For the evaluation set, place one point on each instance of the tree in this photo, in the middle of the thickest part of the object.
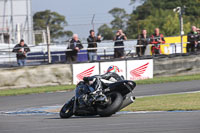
(120, 18)
(155, 14)
(106, 32)
(57, 24)
(159, 13)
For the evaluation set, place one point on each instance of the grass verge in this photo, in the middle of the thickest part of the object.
(157, 80)
(171, 102)
(23, 91)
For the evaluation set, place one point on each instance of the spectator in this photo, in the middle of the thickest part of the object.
(75, 46)
(92, 43)
(21, 49)
(157, 38)
(192, 39)
(198, 46)
(120, 36)
(143, 39)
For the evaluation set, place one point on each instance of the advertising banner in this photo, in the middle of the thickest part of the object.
(120, 64)
(139, 69)
(84, 70)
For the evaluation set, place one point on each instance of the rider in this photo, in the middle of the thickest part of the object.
(111, 75)
(95, 84)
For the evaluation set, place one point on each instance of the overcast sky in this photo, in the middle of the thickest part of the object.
(79, 13)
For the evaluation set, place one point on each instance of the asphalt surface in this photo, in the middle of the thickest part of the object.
(170, 122)
(59, 98)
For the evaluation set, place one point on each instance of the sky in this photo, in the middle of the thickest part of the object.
(79, 13)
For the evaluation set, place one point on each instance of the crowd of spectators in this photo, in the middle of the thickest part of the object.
(75, 45)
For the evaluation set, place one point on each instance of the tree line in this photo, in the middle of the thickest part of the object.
(150, 15)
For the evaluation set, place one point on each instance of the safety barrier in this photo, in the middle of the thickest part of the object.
(133, 69)
(35, 76)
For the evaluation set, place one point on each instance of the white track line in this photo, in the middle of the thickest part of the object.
(189, 92)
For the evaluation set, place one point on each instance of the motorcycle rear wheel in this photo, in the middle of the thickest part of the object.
(116, 102)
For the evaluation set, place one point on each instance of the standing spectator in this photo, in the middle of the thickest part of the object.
(75, 46)
(157, 38)
(92, 43)
(21, 49)
(119, 38)
(143, 40)
(198, 46)
(192, 39)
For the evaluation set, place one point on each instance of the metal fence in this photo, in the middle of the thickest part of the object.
(105, 51)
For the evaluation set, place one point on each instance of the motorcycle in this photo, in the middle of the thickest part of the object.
(105, 102)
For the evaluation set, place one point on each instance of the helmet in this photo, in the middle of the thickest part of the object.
(113, 69)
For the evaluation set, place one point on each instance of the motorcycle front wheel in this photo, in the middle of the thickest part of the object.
(67, 110)
(114, 105)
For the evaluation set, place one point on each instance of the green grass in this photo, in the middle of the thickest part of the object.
(171, 102)
(157, 80)
(24, 91)
(189, 101)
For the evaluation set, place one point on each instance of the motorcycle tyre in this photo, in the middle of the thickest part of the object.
(68, 106)
(113, 108)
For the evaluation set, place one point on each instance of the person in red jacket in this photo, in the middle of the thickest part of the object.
(156, 39)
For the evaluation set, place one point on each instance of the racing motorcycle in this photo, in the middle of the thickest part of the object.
(113, 97)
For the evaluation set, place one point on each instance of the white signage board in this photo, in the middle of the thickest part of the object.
(120, 64)
(139, 69)
(84, 70)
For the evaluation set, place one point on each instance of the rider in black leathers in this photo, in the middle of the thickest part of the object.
(111, 75)
(96, 85)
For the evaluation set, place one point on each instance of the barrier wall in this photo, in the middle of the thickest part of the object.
(61, 74)
(36, 76)
(182, 65)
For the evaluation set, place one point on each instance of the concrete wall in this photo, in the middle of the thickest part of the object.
(61, 74)
(183, 65)
(35, 76)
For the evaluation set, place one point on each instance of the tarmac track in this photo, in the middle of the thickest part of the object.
(170, 122)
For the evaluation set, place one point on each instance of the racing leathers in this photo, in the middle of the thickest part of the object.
(95, 86)
(96, 81)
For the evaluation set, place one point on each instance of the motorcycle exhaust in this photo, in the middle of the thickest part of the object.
(128, 100)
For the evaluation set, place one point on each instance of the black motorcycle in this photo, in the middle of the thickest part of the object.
(105, 102)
